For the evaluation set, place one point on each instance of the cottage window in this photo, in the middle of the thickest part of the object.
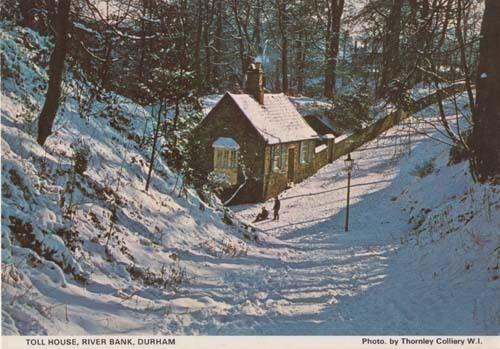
(283, 156)
(305, 152)
(226, 157)
(278, 157)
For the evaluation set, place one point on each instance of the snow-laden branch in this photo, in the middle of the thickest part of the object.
(237, 190)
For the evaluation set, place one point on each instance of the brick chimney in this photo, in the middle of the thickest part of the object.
(255, 82)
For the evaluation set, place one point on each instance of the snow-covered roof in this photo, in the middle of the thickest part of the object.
(342, 137)
(320, 148)
(328, 136)
(224, 142)
(276, 120)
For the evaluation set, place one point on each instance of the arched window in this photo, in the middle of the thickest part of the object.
(226, 158)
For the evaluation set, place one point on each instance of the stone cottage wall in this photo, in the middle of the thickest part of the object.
(226, 120)
(277, 181)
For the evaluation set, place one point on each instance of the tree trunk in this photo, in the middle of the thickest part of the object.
(241, 42)
(197, 44)
(277, 83)
(107, 64)
(153, 150)
(258, 29)
(51, 14)
(217, 71)
(390, 57)
(282, 23)
(424, 39)
(141, 63)
(207, 32)
(208, 62)
(300, 63)
(173, 131)
(463, 59)
(26, 8)
(56, 71)
(332, 49)
(485, 140)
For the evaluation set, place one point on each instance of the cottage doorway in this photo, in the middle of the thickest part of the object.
(291, 165)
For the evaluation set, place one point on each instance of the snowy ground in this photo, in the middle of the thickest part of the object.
(383, 277)
(421, 256)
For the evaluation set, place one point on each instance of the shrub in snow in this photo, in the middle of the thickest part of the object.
(233, 249)
(48, 246)
(249, 233)
(170, 276)
(81, 154)
(459, 152)
(418, 218)
(217, 181)
(424, 169)
(228, 247)
(22, 50)
(213, 186)
(70, 237)
(113, 237)
(115, 116)
(17, 180)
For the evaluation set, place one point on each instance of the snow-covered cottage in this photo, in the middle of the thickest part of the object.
(259, 142)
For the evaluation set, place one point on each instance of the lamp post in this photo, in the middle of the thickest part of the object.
(348, 166)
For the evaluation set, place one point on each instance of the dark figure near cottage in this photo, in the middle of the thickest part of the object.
(262, 215)
(276, 208)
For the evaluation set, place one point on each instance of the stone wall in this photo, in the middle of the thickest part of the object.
(348, 143)
(321, 158)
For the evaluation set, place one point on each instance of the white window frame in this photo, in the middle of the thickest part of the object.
(235, 157)
(283, 156)
(305, 152)
(225, 158)
(278, 157)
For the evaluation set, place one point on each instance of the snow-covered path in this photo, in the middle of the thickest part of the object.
(313, 278)
(325, 266)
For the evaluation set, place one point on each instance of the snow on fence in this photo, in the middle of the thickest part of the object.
(349, 142)
(320, 148)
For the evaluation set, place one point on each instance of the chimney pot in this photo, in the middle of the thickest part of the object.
(255, 82)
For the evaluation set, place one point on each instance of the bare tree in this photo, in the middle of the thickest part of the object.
(156, 134)
(485, 140)
(390, 59)
(283, 33)
(332, 38)
(56, 71)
